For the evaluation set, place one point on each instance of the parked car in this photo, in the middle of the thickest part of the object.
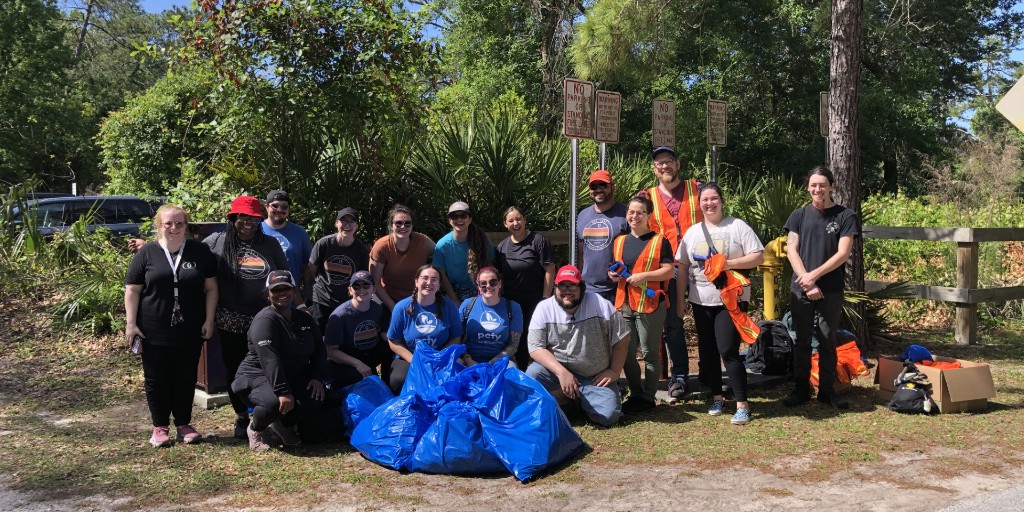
(122, 215)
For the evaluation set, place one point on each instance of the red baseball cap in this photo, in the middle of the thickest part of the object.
(567, 274)
(246, 205)
(601, 175)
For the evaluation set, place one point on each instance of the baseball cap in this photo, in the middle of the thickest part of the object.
(601, 175)
(363, 276)
(279, 278)
(246, 205)
(351, 212)
(662, 149)
(278, 195)
(567, 274)
(458, 206)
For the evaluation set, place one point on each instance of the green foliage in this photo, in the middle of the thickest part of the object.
(205, 197)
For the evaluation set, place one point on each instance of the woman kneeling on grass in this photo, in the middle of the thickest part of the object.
(492, 323)
(355, 347)
(281, 378)
(170, 296)
(426, 316)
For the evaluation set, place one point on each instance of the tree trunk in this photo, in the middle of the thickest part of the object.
(844, 148)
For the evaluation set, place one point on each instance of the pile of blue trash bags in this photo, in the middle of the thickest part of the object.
(450, 419)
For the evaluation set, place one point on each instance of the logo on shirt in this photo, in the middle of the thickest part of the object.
(426, 323)
(339, 269)
(832, 227)
(188, 265)
(251, 265)
(263, 343)
(490, 321)
(365, 337)
(597, 234)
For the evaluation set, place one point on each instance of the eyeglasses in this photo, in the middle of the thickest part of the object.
(281, 207)
(403, 223)
(362, 286)
(347, 222)
(595, 186)
(458, 215)
(568, 287)
(492, 283)
(169, 225)
(427, 279)
(664, 163)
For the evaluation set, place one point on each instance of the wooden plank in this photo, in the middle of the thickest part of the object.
(966, 277)
(923, 291)
(945, 234)
(995, 294)
(556, 237)
(998, 235)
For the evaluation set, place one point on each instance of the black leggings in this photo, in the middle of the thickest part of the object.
(234, 347)
(718, 339)
(170, 382)
(399, 370)
(830, 308)
(265, 406)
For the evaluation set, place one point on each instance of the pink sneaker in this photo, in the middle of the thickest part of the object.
(256, 442)
(160, 438)
(188, 435)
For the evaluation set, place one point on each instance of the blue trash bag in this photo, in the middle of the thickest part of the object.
(431, 368)
(390, 434)
(361, 399)
(454, 444)
(524, 426)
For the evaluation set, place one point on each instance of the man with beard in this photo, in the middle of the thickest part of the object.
(294, 239)
(596, 228)
(676, 208)
(578, 342)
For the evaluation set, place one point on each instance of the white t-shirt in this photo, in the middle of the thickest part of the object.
(732, 237)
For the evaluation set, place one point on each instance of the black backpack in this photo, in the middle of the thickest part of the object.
(772, 352)
(913, 392)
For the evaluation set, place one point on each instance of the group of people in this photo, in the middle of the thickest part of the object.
(645, 264)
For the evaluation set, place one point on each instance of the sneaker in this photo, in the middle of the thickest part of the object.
(241, 427)
(256, 442)
(188, 435)
(287, 435)
(160, 437)
(742, 417)
(834, 401)
(637, 405)
(717, 406)
(677, 388)
(796, 398)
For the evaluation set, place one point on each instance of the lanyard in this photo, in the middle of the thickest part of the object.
(174, 265)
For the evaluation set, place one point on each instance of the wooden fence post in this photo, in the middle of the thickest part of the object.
(966, 277)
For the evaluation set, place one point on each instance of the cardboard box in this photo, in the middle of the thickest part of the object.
(963, 389)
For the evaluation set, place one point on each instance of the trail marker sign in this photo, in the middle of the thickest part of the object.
(606, 128)
(578, 111)
(663, 123)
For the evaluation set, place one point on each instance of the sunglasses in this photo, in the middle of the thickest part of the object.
(568, 287)
(245, 219)
(458, 215)
(403, 223)
(281, 207)
(169, 225)
(595, 186)
(348, 221)
(492, 283)
(362, 286)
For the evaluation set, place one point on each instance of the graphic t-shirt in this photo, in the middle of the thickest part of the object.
(452, 256)
(819, 233)
(150, 268)
(356, 333)
(295, 243)
(399, 273)
(488, 328)
(522, 266)
(335, 264)
(732, 237)
(434, 324)
(596, 230)
(246, 292)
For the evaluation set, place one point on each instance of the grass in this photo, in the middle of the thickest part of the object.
(73, 423)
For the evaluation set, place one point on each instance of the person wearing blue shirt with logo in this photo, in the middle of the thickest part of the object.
(426, 316)
(492, 324)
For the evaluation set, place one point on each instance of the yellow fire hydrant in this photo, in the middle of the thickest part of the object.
(774, 256)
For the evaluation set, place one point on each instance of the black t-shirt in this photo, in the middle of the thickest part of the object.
(634, 246)
(149, 267)
(522, 266)
(818, 235)
(246, 293)
(334, 266)
(287, 352)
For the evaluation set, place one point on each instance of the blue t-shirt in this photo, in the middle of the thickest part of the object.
(296, 244)
(488, 328)
(452, 256)
(425, 324)
(596, 231)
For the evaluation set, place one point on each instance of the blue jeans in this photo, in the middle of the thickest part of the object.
(601, 404)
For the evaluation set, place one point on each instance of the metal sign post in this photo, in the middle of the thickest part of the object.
(718, 131)
(577, 123)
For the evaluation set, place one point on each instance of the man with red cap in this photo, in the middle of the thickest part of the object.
(578, 343)
(596, 228)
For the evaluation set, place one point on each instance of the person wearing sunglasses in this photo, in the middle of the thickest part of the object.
(294, 239)
(596, 227)
(245, 258)
(578, 343)
(527, 264)
(332, 262)
(461, 253)
(170, 296)
(395, 257)
(492, 324)
(354, 342)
